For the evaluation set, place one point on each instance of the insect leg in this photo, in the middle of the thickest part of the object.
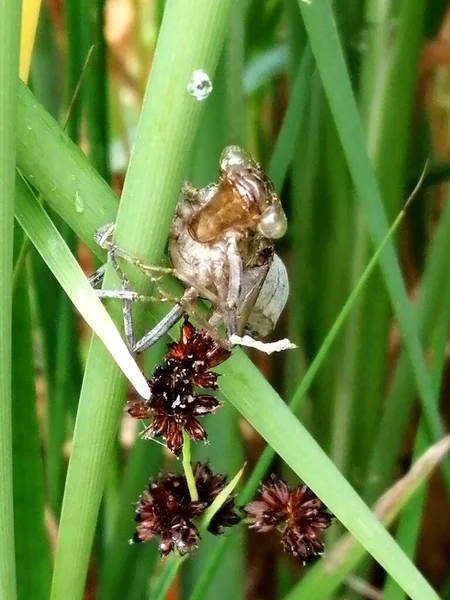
(128, 296)
(189, 190)
(103, 235)
(133, 296)
(127, 302)
(153, 273)
(103, 238)
(195, 197)
(229, 290)
(97, 277)
(161, 328)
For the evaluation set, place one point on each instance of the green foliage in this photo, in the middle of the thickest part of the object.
(325, 101)
(9, 64)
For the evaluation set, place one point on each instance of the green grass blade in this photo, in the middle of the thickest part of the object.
(96, 91)
(121, 565)
(233, 58)
(44, 61)
(61, 369)
(329, 573)
(76, 51)
(33, 559)
(411, 517)
(264, 67)
(324, 40)
(335, 246)
(46, 289)
(306, 165)
(170, 569)
(9, 67)
(63, 384)
(46, 238)
(388, 84)
(74, 190)
(169, 119)
(401, 395)
(144, 459)
(259, 404)
(219, 500)
(409, 522)
(292, 122)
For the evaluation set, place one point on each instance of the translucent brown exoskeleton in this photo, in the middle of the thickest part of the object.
(221, 249)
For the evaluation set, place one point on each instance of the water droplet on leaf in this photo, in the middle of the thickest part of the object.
(199, 85)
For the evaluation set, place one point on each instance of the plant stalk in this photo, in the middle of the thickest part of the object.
(9, 65)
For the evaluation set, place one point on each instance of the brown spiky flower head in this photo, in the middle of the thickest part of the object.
(175, 404)
(297, 512)
(165, 509)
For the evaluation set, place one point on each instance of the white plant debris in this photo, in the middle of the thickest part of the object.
(268, 348)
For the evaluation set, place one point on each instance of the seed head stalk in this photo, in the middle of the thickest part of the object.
(187, 467)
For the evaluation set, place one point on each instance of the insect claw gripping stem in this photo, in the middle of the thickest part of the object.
(96, 278)
(103, 238)
(189, 190)
(182, 305)
(103, 235)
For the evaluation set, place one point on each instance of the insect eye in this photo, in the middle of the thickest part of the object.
(273, 222)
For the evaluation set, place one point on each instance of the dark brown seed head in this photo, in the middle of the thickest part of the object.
(198, 352)
(166, 510)
(298, 512)
(271, 510)
(174, 404)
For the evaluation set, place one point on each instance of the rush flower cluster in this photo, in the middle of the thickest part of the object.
(166, 510)
(297, 512)
(174, 404)
(169, 509)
